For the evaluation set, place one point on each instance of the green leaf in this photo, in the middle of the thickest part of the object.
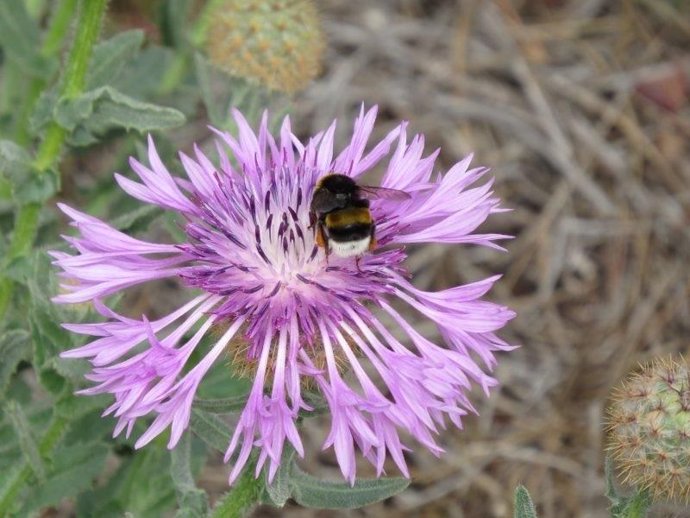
(210, 429)
(310, 491)
(204, 76)
(43, 110)
(142, 77)
(624, 506)
(12, 158)
(141, 486)
(75, 467)
(278, 491)
(14, 347)
(137, 219)
(37, 188)
(20, 39)
(98, 111)
(27, 441)
(110, 56)
(524, 508)
(192, 501)
(26, 186)
(222, 406)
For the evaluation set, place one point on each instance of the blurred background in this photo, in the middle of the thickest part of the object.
(580, 107)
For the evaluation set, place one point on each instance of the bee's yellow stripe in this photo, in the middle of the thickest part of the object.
(351, 216)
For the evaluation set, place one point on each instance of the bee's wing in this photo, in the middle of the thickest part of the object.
(383, 193)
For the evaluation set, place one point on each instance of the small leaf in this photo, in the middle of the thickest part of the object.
(524, 508)
(14, 347)
(110, 56)
(210, 429)
(204, 76)
(142, 485)
(20, 39)
(222, 406)
(192, 501)
(26, 186)
(611, 491)
(75, 467)
(137, 219)
(13, 157)
(27, 442)
(278, 492)
(43, 110)
(142, 77)
(310, 491)
(98, 111)
(37, 188)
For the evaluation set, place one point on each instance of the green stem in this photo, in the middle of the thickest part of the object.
(48, 154)
(18, 479)
(88, 28)
(52, 43)
(243, 496)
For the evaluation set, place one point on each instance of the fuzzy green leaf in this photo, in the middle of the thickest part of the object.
(222, 406)
(37, 188)
(313, 492)
(204, 78)
(137, 219)
(98, 111)
(142, 77)
(74, 469)
(141, 486)
(26, 187)
(14, 160)
(110, 56)
(14, 347)
(279, 490)
(26, 439)
(210, 428)
(20, 39)
(192, 502)
(524, 508)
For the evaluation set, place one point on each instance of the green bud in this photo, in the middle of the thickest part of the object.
(277, 43)
(649, 429)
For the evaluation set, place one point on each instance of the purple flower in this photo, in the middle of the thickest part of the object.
(280, 310)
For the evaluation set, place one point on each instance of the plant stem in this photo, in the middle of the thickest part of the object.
(242, 497)
(636, 506)
(16, 482)
(73, 82)
(52, 43)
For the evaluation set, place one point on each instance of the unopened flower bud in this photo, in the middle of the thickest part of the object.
(278, 43)
(649, 429)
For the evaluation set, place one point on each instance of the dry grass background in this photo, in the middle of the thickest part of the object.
(580, 108)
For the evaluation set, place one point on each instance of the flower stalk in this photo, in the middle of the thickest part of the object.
(88, 28)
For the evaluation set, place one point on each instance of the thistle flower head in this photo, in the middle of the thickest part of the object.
(649, 429)
(278, 308)
(278, 43)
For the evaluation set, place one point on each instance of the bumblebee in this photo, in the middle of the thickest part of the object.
(342, 218)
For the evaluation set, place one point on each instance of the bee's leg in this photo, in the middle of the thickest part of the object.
(357, 259)
(372, 237)
(313, 220)
(322, 239)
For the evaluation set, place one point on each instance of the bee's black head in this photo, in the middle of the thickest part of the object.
(339, 184)
(336, 191)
